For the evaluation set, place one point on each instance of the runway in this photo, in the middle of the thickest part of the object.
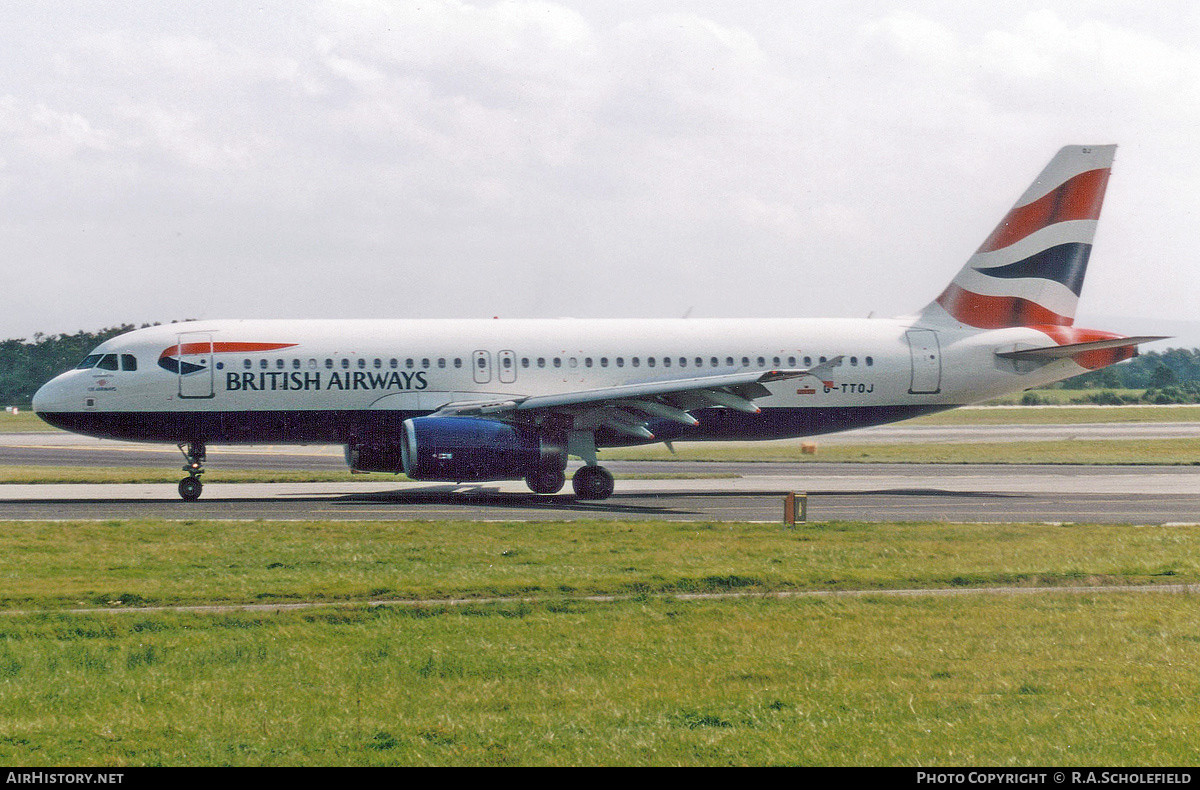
(835, 492)
(717, 491)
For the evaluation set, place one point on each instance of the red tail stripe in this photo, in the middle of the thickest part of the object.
(1092, 360)
(997, 312)
(1078, 198)
(222, 348)
(1065, 335)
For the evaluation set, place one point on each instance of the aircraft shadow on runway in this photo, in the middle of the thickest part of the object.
(493, 498)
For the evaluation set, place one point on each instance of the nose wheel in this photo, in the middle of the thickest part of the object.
(190, 487)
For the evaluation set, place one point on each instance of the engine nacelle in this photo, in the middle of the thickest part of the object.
(377, 456)
(472, 449)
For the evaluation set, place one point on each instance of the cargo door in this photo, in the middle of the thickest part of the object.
(926, 356)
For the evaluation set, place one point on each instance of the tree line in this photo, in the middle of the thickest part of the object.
(1171, 376)
(26, 365)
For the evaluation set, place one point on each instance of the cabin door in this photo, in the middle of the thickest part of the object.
(195, 365)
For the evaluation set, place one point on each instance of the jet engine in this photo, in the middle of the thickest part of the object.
(471, 449)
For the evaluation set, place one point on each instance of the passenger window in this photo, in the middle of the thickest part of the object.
(262, 363)
(279, 363)
(777, 362)
(854, 361)
(541, 362)
(457, 362)
(728, 362)
(716, 363)
(791, 362)
(378, 363)
(762, 363)
(558, 362)
(870, 362)
(362, 363)
(524, 362)
(328, 363)
(393, 363)
(345, 364)
(620, 362)
(441, 362)
(587, 362)
(808, 362)
(603, 362)
(572, 362)
(408, 363)
(650, 362)
(425, 362)
(295, 364)
(128, 362)
(635, 362)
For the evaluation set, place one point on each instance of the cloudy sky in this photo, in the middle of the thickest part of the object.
(445, 158)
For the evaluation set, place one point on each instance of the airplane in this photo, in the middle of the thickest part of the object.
(482, 400)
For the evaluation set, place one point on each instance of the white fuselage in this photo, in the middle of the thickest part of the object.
(275, 381)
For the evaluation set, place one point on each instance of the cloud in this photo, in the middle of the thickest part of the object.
(337, 158)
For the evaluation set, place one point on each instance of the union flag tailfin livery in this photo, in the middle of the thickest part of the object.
(479, 400)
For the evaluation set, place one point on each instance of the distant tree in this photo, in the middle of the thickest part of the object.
(25, 366)
(1162, 377)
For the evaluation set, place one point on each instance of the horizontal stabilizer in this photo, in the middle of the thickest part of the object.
(1072, 349)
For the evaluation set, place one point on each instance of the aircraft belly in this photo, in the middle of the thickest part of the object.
(337, 426)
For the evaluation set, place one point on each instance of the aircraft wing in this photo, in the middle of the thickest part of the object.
(627, 408)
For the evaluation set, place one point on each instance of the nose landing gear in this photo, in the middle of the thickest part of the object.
(190, 487)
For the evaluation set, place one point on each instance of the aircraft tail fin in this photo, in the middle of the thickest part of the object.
(1030, 270)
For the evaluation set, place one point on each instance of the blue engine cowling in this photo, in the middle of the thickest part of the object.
(472, 449)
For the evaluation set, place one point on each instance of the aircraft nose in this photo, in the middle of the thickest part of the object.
(51, 396)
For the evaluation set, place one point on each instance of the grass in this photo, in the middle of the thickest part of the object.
(23, 422)
(1003, 681)
(65, 565)
(1065, 679)
(1075, 451)
(1060, 415)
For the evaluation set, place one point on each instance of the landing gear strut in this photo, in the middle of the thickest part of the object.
(190, 486)
(592, 482)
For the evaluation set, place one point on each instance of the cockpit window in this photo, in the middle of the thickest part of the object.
(89, 362)
(108, 362)
(128, 362)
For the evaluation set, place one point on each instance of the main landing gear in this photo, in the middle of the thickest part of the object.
(190, 487)
(546, 481)
(592, 482)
